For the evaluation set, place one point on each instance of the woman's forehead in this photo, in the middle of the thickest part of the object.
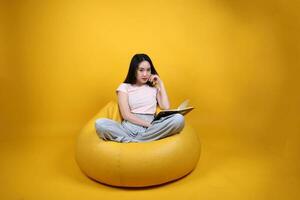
(144, 64)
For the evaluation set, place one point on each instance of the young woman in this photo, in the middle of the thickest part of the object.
(138, 97)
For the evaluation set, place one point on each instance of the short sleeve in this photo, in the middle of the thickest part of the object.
(122, 87)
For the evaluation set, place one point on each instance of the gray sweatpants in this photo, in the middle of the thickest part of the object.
(126, 131)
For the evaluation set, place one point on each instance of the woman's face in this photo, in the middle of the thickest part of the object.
(143, 72)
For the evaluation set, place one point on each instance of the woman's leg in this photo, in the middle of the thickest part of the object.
(109, 129)
(164, 127)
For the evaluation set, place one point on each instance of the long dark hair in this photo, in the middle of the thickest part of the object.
(133, 67)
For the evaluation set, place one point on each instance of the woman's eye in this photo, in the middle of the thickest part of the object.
(141, 70)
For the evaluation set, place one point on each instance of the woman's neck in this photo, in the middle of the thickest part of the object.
(139, 84)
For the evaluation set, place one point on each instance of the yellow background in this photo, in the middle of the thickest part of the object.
(237, 62)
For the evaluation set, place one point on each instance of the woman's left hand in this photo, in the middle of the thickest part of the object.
(154, 79)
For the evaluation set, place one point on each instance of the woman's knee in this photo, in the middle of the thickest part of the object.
(178, 120)
(101, 130)
(100, 124)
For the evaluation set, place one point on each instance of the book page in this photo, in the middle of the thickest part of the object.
(183, 105)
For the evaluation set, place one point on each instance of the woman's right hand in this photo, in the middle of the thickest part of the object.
(154, 79)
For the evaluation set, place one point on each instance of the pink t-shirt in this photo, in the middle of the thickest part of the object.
(141, 99)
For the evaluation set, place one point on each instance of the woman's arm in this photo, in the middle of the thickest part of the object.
(162, 97)
(125, 111)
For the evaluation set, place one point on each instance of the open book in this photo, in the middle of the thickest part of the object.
(183, 109)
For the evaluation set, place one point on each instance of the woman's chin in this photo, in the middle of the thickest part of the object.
(141, 82)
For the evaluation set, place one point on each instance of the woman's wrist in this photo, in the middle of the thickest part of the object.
(160, 83)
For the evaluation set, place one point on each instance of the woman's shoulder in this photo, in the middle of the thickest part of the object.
(124, 84)
(123, 87)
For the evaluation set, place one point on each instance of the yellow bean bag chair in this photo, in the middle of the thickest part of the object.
(135, 164)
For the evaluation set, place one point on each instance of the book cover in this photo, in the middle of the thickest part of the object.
(183, 109)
